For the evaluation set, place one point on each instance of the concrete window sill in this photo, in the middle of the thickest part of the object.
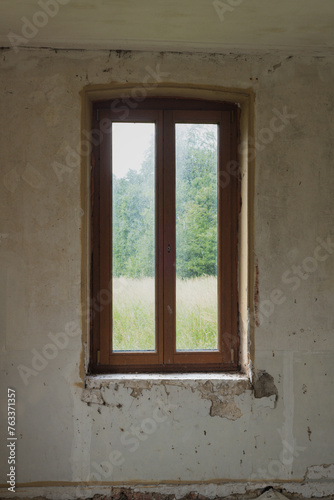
(97, 381)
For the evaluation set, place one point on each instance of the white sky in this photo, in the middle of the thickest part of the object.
(130, 143)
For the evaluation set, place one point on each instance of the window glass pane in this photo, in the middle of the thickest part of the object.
(196, 237)
(133, 236)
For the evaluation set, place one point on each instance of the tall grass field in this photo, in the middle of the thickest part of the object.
(134, 314)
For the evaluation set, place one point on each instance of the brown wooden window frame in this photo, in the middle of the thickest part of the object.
(165, 113)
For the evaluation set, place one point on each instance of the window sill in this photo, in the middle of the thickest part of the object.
(219, 389)
(98, 381)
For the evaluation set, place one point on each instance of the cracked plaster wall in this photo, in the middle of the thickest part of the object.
(172, 430)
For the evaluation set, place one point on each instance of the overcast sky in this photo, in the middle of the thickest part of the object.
(130, 142)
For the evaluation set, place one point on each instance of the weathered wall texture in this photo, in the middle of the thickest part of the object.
(172, 430)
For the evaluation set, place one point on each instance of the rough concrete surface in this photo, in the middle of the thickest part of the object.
(180, 432)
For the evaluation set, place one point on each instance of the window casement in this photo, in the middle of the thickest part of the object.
(165, 203)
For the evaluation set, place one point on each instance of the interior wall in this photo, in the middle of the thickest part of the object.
(174, 431)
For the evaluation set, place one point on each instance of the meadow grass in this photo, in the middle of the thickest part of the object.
(134, 314)
(196, 313)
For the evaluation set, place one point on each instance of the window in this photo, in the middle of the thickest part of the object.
(165, 202)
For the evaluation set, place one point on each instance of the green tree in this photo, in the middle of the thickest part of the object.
(196, 209)
(196, 201)
(133, 222)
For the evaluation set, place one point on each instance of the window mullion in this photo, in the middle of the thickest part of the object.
(169, 250)
(159, 224)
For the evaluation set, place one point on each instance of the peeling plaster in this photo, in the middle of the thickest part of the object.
(92, 396)
(318, 472)
(220, 394)
(227, 491)
(222, 399)
(264, 385)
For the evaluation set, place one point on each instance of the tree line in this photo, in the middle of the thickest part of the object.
(196, 210)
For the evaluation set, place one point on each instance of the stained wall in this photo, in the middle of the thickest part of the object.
(74, 431)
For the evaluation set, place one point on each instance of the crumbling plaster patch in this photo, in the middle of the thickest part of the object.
(227, 491)
(220, 393)
(319, 472)
(264, 385)
(92, 396)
